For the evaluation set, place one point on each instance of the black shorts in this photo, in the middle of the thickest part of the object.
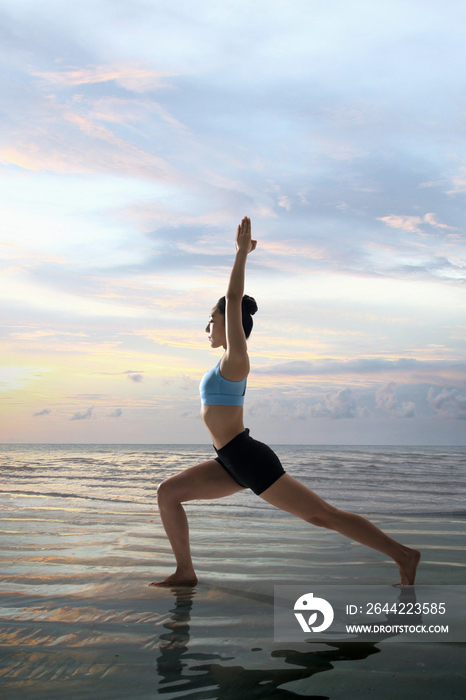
(252, 464)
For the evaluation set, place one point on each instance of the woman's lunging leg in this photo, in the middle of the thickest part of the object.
(203, 481)
(290, 495)
(363, 531)
(176, 526)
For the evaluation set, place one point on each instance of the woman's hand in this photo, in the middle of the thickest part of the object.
(244, 243)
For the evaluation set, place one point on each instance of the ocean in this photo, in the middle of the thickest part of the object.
(81, 540)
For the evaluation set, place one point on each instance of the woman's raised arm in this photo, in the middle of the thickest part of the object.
(236, 361)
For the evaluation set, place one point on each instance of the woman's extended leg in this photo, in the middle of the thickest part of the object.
(294, 497)
(203, 481)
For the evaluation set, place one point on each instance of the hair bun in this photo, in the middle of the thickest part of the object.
(249, 305)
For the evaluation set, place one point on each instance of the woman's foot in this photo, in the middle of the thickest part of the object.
(408, 566)
(179, 578)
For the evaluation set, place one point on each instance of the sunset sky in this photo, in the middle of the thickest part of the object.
(136, 135)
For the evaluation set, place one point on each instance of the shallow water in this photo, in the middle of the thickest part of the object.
(82, 539)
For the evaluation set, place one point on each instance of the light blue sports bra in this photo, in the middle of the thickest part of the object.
(215, 390)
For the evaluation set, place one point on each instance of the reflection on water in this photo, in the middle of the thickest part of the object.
(213, 678)
(213, 641)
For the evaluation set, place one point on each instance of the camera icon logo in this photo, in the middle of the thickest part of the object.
(308, 603)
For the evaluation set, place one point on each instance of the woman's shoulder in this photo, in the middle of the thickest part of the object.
(234, 368)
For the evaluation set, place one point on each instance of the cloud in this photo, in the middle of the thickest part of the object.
(412, 223)
(135, 377)
(115, 414)
(187, 383)
(387, 400)
(430, 219)
(130, 76)
(301, 411)
(407, 223)
(44, 412)
(363, 366)
(338, 405)
(284, 202)
(272, 405)
(325, 143)
(448, 403)
(407, 409)
(190, 414)
(83, 415)
(65, 133)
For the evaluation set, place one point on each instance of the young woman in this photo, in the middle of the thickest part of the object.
(242, 462)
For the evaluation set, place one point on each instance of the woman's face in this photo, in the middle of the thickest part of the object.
(216, 329)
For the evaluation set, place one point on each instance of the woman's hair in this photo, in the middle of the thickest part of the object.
(248, 309)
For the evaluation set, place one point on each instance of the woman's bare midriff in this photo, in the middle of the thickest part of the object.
(223, 423)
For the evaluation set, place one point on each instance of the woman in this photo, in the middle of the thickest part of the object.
(243, 462)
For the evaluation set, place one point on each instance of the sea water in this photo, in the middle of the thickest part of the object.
(372, 480)
(82, 540)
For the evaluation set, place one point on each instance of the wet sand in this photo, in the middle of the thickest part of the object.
(79, 619)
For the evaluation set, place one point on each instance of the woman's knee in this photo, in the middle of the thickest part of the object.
(166, 492)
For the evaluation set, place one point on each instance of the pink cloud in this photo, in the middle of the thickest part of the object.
(130, 76)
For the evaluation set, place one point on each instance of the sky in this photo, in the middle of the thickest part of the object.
(136, 135)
